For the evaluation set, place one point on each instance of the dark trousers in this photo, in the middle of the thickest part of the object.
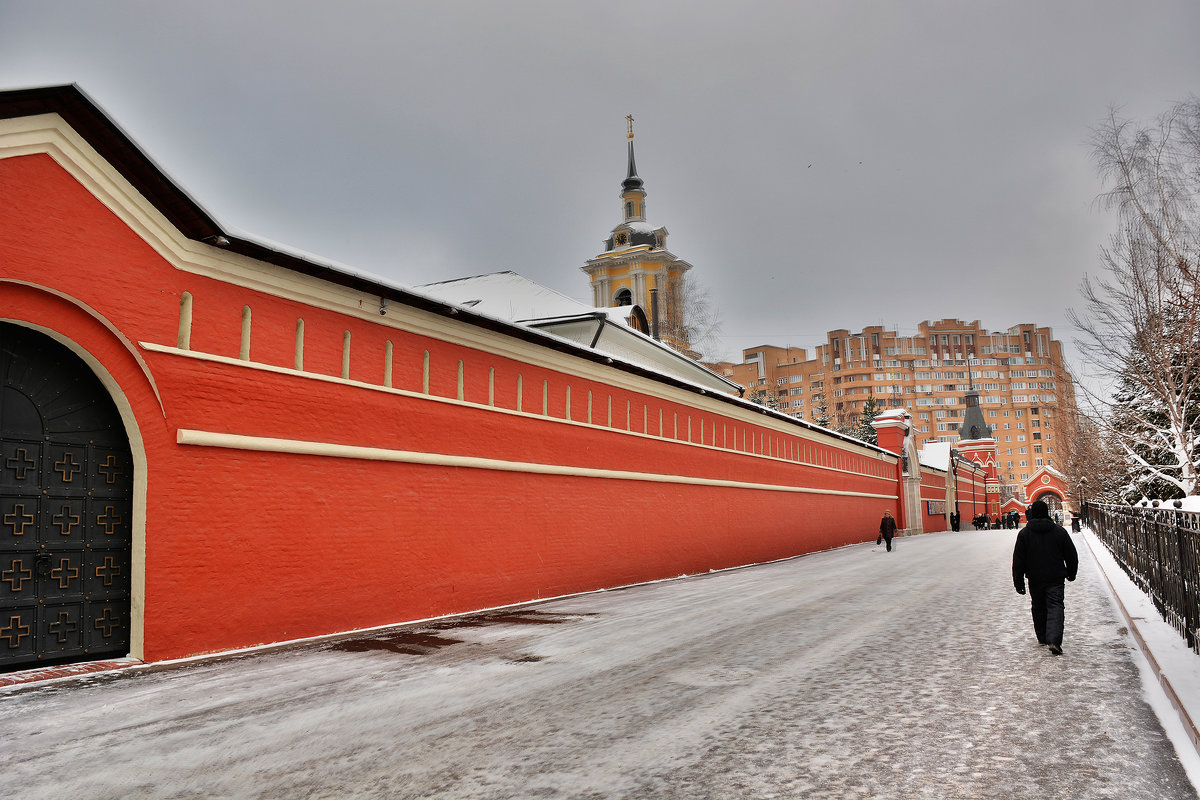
(888, 538)
(1049, 611)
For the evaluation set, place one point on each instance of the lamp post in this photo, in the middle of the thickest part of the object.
(1083, 498)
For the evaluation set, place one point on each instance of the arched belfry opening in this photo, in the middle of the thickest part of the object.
(66, 497)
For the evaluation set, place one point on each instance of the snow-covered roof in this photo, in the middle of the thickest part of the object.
(936, 455)
(514, 298)
(505, 295)
(638, 227)
(893, 413)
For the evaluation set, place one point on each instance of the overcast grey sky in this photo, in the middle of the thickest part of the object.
(821, 164)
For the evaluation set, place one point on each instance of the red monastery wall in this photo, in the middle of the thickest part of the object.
(971, 491)
(275, 503)
(933, 491)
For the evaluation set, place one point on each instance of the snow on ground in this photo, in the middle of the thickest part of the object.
(854, 673)
(1179, 664)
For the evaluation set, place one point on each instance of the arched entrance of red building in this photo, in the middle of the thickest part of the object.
(1052, 500)
(66, 488)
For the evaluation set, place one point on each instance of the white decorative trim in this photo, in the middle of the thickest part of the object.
(421, 395)
(299, 447)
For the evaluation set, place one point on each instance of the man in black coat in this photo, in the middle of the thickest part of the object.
(1046, 554)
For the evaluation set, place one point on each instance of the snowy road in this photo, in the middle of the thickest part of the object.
(849, 674)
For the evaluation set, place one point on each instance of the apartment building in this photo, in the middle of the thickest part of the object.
(1023, 383)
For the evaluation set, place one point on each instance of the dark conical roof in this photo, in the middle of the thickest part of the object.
(974, 426)
(632, 181)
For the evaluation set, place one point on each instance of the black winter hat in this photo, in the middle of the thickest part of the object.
(1037, 510)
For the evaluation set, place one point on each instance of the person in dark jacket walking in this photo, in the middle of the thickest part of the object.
(1046, 555)
(887, 529)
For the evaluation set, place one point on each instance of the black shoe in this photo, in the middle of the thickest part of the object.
(1055, 650)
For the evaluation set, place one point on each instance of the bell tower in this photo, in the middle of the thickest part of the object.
(636, 268)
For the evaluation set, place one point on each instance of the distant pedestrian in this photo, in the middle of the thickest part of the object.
(887, 529)
(1046, 555)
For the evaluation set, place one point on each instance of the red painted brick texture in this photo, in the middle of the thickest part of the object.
(247, 547)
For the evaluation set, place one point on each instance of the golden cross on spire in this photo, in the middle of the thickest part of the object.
(629, 119)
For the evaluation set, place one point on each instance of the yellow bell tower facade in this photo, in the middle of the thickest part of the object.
(637, 269)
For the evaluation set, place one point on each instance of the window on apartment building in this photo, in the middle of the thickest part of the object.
(1037, 448)
(1037, 436)
(1034, 411)
(991, 413)
(1037, 462)
(1021, 450)
(924, 429)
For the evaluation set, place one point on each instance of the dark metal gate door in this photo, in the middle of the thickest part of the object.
(66, 487)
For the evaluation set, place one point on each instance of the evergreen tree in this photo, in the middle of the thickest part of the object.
(821, 412)
(1144, 426)
(869, 413)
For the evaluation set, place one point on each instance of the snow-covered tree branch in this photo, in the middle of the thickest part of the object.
(1140, 323)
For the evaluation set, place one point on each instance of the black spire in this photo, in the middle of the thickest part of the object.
(632, 181)
(973, 425)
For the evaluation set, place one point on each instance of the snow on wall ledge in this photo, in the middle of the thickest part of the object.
(307, 466)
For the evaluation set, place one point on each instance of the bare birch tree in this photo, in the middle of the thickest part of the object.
(691, 321)
(1140, 323)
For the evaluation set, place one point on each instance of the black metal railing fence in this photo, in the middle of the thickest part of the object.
(1159, 548)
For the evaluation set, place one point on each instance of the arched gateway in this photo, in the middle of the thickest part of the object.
(66, 483)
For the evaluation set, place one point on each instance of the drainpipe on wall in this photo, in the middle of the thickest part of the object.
(654, 315)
